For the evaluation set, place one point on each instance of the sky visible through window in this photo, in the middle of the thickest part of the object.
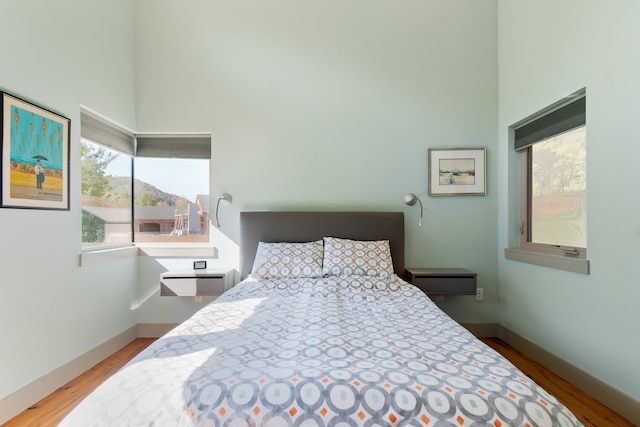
(181, 177)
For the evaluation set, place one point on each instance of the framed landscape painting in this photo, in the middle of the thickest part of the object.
(34, 162)
(457, 172)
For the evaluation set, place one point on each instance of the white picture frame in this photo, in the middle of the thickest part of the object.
(457, 172)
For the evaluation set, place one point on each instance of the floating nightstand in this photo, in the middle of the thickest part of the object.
(443, 281)
(187, 283)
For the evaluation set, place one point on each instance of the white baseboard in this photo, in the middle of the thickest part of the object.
(482, 330)
(154, 330)
(30, 394)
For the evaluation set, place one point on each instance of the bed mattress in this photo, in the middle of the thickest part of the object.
(332, 351)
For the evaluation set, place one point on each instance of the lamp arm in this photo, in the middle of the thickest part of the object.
(217, 206)
(410, 199)
(226, 197)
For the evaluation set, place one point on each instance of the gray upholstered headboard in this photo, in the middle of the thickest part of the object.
(277, 226)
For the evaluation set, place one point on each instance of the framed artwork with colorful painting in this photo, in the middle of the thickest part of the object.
(34, 166)
(457, 172)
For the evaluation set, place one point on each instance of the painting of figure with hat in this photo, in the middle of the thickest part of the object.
(35, 156)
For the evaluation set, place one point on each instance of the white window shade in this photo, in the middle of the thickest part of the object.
(100, 130)
(184, 146)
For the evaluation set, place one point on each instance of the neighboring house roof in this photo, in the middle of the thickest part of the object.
(202, 200)
(110, 215)
(144, 213)
(157, 212)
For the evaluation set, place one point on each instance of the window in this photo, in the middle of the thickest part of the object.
(557, 191)
(106, 195)
(552, 146)
(142, 187)
(171, 200)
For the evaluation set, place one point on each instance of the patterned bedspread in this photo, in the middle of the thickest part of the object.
(337, 351)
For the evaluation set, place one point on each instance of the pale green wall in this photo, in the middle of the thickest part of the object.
(333, 105)
(60, 54)
(547, 50)
(326, 105)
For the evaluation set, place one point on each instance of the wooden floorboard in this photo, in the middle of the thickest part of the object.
(53, 408)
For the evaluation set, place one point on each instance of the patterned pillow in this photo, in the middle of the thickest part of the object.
(343, 257)
(275, 260)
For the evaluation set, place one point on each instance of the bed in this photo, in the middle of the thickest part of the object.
(321, 331)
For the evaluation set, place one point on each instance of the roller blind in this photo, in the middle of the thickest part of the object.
(185, 146)
(102, 131)
(565, 118)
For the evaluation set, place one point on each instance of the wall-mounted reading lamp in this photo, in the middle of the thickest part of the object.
(410, 199)
(227, 198)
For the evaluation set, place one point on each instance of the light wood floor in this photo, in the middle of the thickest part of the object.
(50, 410)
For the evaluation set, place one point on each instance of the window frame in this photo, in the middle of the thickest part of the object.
(550, 255)
(99, 130)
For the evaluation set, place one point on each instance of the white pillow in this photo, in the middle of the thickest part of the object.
(344, 257)
(277, 260)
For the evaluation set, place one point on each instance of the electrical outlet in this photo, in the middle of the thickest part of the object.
(479, 294)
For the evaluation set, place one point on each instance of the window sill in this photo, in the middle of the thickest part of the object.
(576, 265)
(100, 256)
(186, 250)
